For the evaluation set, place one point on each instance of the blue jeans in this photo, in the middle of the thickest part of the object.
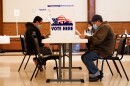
(88, 58)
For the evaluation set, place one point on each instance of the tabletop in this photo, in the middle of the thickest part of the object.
(69, 40)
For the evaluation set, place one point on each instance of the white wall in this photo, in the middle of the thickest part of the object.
(113, 10)
(30, 8)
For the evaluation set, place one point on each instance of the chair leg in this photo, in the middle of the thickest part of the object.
(109, 67)
(124, 70)
(27, 61)
(21, 63)
(56, 67)
(97, 63)
(117, 68)
(102, 65)
(34, 72)
(37, 72)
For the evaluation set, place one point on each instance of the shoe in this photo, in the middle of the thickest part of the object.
(40, 68)
(35, 61)
(94, 79)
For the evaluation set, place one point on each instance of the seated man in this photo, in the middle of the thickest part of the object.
(34, 28)
(31, 28)
(101, 46)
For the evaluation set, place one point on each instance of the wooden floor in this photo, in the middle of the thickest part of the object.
(9, 75)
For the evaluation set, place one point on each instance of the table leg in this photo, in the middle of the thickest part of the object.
(64, 54)
(59, 79)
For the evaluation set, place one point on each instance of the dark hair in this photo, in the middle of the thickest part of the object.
(97, 18)
(37, 18)
(89, 22)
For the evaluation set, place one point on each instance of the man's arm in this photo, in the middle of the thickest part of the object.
(99, 36)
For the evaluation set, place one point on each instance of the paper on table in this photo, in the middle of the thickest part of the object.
(4, 39)
(77, 32)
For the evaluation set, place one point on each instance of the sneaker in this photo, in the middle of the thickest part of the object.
(94, 79)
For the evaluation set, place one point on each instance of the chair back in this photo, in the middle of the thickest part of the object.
(23, 43)
(115, 44)
(121, 46)
(36, 44)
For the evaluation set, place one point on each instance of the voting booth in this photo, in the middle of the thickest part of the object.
(62, 24)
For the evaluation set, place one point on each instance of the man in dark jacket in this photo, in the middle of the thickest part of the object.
(101, 45)
(34, 28)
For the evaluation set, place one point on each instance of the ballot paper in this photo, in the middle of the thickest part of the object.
(4, 39)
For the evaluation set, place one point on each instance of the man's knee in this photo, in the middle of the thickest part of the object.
(85, 58)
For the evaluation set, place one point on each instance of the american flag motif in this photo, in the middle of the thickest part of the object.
(55, 20)
(68, 20)
(61, 20)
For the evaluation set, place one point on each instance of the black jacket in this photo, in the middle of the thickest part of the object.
(30, 28)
